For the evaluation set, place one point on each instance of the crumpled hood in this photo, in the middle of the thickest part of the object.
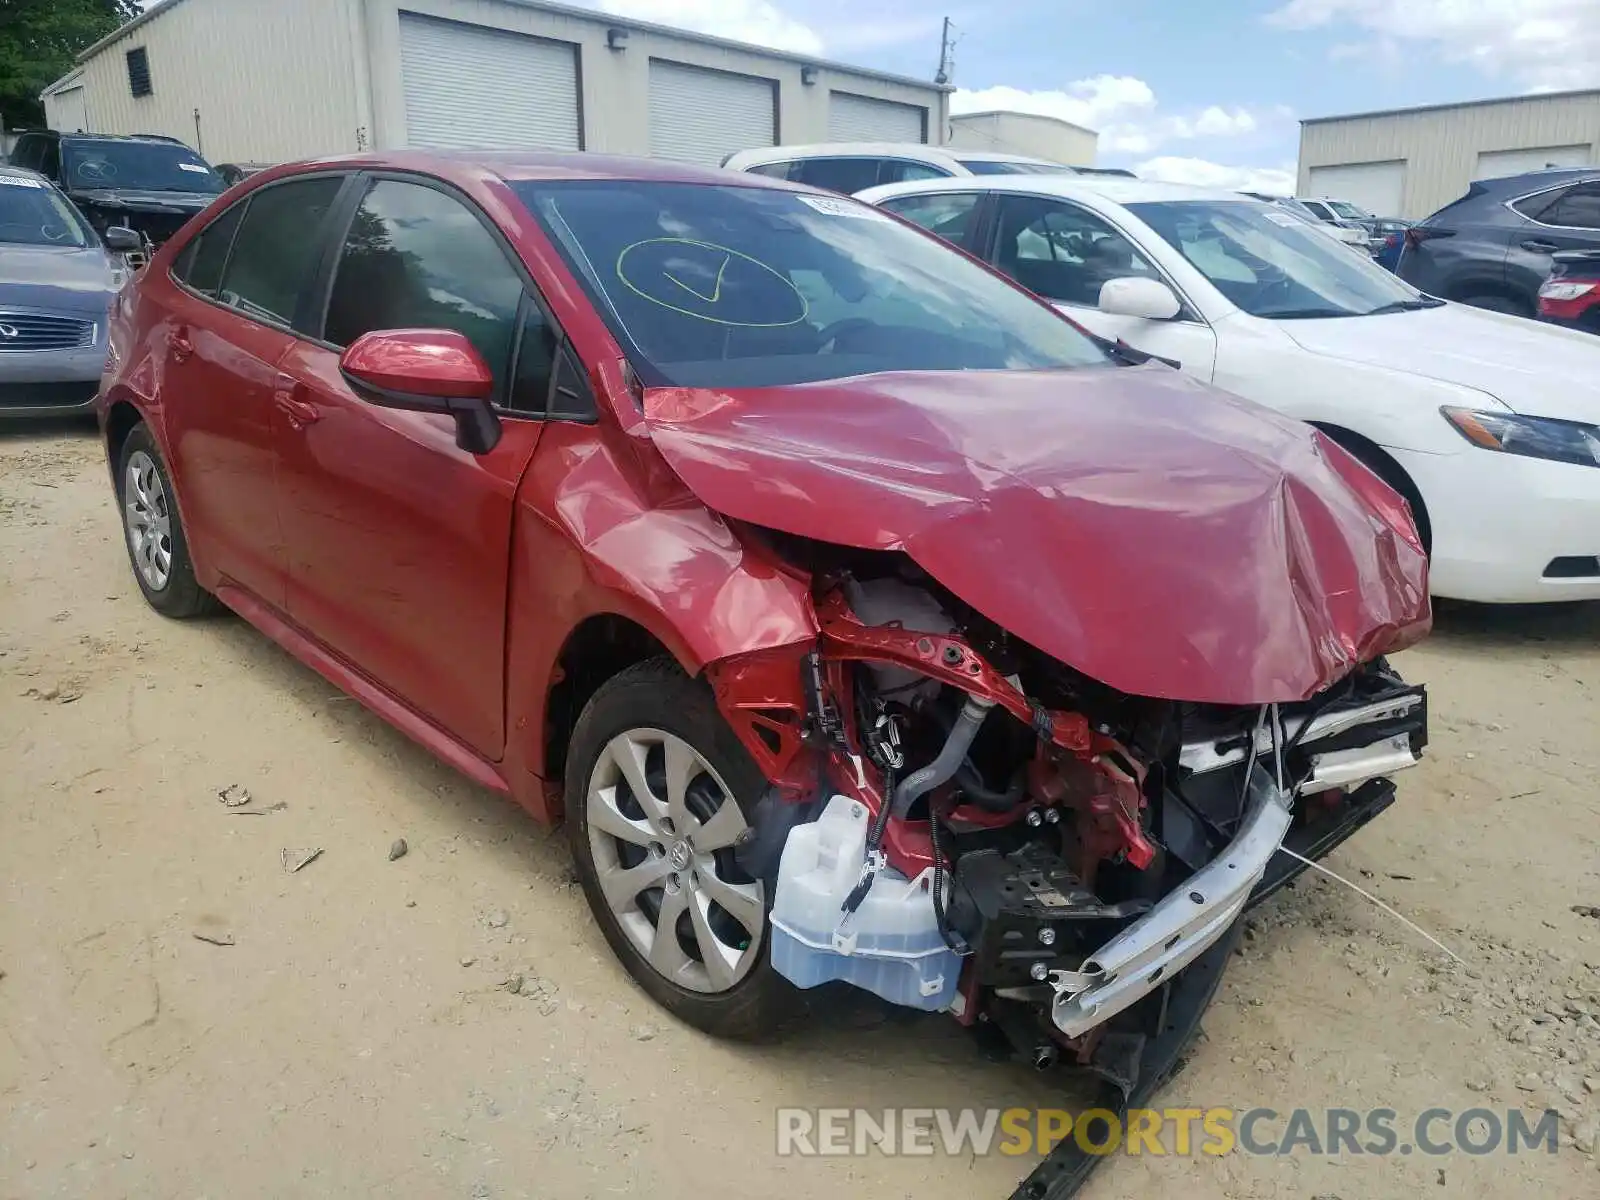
(1162, 537)
(1532, 368)
(56, 278)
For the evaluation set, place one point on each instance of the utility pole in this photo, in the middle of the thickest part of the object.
(943, 73)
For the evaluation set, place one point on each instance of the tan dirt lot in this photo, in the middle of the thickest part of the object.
(357, 1038)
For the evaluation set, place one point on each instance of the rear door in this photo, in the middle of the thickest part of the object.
(1566, 218)
(1065, 253)
(240, 284)
(398, 540)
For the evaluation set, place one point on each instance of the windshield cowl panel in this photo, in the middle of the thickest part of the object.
(1271, 264)
(715, 286)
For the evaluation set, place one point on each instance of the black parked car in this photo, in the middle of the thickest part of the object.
(1492, 247)
(147, 183)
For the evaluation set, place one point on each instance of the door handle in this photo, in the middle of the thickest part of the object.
(182, 347)
(1540, 246)
(288, 394)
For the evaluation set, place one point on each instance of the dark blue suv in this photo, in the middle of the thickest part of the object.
(1492, 247)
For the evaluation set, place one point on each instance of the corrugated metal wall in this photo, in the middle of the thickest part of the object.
(273, 79)
(1441, 146)
(1024, 133)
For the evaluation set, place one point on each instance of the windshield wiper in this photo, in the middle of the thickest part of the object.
(1305, 314)
(1412, 305)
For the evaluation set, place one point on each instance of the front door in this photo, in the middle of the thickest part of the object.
(398, 541)
(239, 284)
(1066, 254)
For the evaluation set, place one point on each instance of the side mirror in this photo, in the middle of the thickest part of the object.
(1137, 297)
(122, 239)
(426, 370)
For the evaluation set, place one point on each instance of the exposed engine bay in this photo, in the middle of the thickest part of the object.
(958, 822)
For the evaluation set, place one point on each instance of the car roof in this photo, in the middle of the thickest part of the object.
(23, 173)
(1116, 188)
(938, 155)
(515, 166)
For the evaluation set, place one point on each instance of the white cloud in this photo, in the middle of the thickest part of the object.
(1543, 45)
(1121, 108)
(754, 21)
(1202, 173)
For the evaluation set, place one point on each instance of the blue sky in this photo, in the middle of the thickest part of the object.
(1206, 91)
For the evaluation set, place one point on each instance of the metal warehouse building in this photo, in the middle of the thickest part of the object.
(1412, 162)
(1025, 133)
(274, 80)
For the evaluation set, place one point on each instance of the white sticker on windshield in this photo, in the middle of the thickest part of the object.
(195, 167)
(842, 208)
(1283, 219)
(20, 181)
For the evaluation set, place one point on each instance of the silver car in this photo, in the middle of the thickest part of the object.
(57, 280)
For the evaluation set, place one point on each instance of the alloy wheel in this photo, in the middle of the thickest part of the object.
(662, 827)
(148, 520)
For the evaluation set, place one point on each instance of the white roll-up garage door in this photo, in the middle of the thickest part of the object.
(67, 111)
(1492, 164)
(473, 87)
(701, 116)
(1377, 187)
(853, 118)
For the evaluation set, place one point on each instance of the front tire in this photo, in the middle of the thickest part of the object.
(153, 532)
(1494, 302)
(658, 790)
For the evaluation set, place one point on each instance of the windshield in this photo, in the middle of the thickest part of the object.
(722, 286)
(32, 213)
(985, 166)
(1272, 265)
(1349, 211)
(146, 166)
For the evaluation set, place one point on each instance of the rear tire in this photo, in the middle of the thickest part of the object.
(153, 531)
(658, 870)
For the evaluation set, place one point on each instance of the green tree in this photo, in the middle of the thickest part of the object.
(39, 39)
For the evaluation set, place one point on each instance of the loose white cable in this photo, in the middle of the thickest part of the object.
(1360, 891)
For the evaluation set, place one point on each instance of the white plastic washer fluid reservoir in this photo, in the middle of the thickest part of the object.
(890, 945)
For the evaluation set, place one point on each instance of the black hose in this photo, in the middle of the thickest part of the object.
(985, 797)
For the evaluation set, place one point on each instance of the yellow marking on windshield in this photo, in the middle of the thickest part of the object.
(729, 254)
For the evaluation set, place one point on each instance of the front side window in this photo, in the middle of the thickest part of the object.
(1319, 210)
(1271, 265)
(719, 286)
(416, 258)
(145, 166)
(275, 249)
(33, 213)
(1063, 252)
(947, 214)
(1578, 208)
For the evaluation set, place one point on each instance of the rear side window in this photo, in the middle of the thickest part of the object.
(416, 258)
(1535, 207)
(847, 175)
(200, 265)
(948, 214)
(275, 249)
(1577, 208)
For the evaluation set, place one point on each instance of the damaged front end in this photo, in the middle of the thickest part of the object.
(959, 822)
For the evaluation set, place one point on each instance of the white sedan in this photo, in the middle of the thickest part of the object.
(1485, 423)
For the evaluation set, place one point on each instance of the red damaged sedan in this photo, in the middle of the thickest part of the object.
(865, 619)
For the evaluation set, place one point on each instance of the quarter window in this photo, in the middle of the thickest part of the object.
(948, 214)
(1063, 252)
(200, 265)
(274, 251)
(416, 258)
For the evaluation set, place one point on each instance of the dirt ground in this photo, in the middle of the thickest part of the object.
(357, 1036)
